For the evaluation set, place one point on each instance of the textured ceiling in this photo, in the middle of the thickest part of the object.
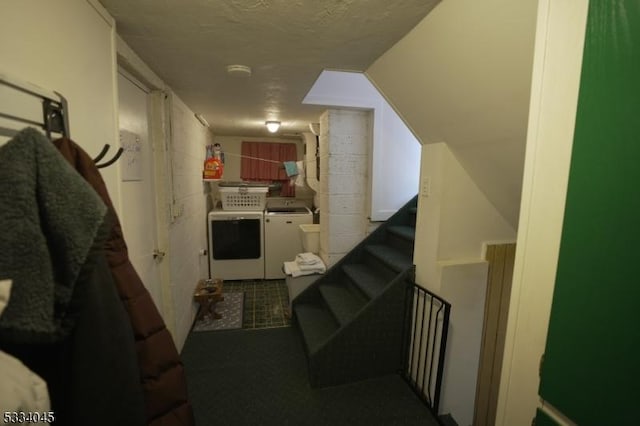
(287, 43)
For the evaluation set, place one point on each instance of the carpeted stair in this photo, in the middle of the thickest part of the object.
(351, 319)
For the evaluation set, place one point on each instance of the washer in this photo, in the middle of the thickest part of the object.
(282, 239)
(236, 244)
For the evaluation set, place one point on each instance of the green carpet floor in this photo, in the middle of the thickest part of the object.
(259, 377)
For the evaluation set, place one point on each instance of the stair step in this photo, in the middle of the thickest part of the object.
(403, 231)
(447, 420)
(401, 238)
(316, 323)
(365, 279)
(343, 303)
(395, 259)
(413, 214)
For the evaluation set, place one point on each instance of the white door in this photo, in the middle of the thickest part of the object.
(138, 185)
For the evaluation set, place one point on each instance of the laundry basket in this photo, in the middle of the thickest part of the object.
(243, 197)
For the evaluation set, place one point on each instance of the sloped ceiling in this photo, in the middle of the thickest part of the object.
(462, 76)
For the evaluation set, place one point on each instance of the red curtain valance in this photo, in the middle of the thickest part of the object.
(263, 161)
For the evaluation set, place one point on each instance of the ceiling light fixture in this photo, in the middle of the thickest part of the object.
(272, 126)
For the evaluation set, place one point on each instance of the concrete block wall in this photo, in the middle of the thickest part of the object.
(187, 230)
(179, 151)
(345, 138)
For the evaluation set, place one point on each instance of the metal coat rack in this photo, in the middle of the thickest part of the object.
(55, 114)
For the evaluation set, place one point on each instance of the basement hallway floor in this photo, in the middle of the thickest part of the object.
(259, 377)
(266, 302)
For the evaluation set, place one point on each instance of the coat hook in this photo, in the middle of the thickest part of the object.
(103, 153)
(105, 148)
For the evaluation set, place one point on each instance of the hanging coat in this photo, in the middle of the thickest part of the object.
(64, 319)
(162, 372)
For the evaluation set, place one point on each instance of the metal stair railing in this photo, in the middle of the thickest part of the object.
(424, 343)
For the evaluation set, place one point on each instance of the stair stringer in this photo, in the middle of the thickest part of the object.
(379, 235)
(370, 345)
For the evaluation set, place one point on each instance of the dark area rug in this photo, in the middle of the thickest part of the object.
(230, 309)
(259, 377)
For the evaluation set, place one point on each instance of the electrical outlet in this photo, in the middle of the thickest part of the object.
(425, 187)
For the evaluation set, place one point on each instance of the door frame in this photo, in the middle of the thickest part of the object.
(555, 82)
(500, 258)
(158, 114)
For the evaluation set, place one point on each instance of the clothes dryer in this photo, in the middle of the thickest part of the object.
(236, 244)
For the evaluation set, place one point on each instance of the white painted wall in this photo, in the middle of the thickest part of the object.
(454, 220)
(556, 78)
(68, 47)
(188, 231)
(464, 285)
(462, 76)
(345, 137)
(467, 217)
(395, 151)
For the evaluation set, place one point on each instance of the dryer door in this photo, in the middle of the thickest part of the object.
(236, 238)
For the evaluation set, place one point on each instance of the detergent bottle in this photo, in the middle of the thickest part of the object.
(214, 164)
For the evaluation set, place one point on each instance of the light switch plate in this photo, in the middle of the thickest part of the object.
(425, 187)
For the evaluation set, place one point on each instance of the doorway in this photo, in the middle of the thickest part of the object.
(500, 258)
(137, 186)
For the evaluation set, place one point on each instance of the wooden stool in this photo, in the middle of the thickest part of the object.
(207, 294)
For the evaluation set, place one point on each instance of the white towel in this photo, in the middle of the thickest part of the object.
(308, 259)
(291, 268)
(295, 269)
(316, 268)
(312, 267)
